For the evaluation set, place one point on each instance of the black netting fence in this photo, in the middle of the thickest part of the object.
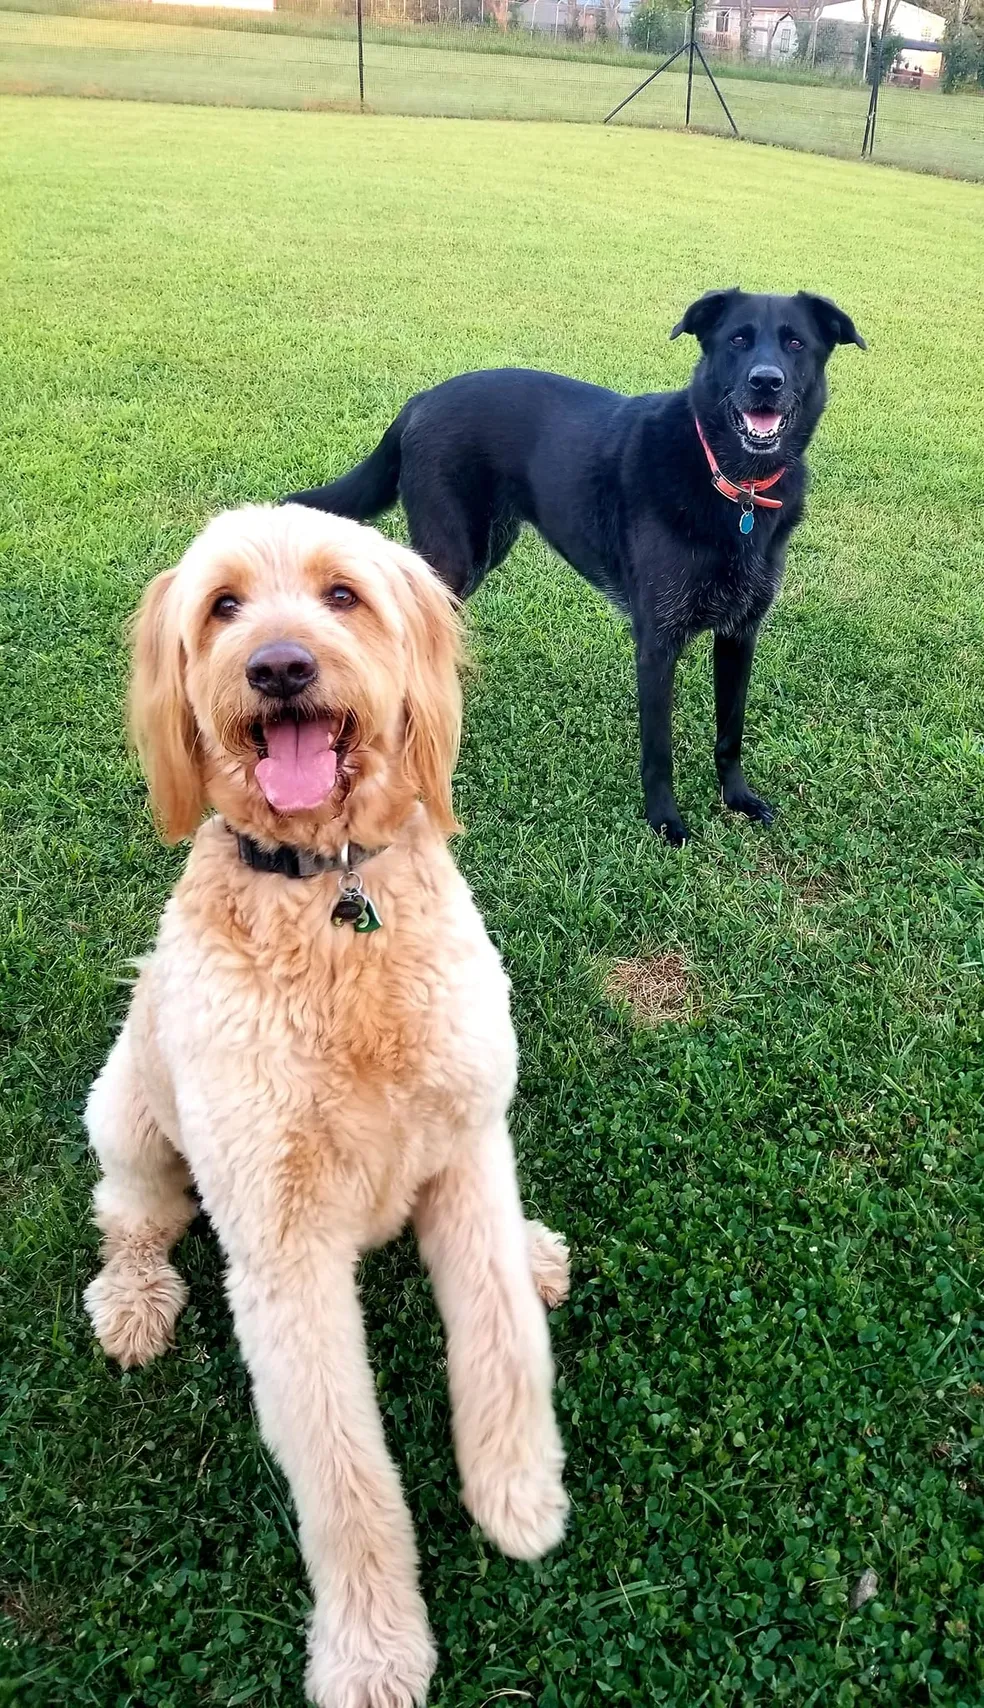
(464, 59)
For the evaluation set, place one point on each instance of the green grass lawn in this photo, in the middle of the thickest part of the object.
(64, 54)
(770, 1372)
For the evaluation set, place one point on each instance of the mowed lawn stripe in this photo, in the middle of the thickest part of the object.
(167, 60)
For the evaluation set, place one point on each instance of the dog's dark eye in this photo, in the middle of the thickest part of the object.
(794, 344)
(226, 606)
(340, 598)
(740, 341)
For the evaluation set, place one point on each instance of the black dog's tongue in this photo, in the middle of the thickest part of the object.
(762, 423)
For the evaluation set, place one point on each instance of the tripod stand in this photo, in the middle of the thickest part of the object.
(689, 46)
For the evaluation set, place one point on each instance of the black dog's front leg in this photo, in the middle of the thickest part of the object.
(733, 656)
(656, 659)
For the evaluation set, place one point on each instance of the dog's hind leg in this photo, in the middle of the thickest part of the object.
(476, 1245)
(142, 1206)
(505, 531)
(550, 1264)
(450, 525)
(443, 542)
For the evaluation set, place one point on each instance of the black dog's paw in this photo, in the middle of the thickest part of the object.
(671, 828)
(753, 806)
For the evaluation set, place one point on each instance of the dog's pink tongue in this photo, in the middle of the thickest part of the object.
(301, 765)
(763, 420)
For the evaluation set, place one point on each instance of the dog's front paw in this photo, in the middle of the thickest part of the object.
(743, 800)
(365, 1669)
(670, 826)
(133, 1308)
(523, 1511)
(551, 1264)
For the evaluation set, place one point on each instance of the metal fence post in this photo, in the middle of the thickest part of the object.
(362, 68)
(690, 62)
(868, 143)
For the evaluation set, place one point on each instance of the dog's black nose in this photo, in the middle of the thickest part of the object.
(764, 378)
(280, 669)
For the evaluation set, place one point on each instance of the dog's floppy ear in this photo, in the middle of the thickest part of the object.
(161, 720)
(834, 326)
(703, 315)
(433, 692)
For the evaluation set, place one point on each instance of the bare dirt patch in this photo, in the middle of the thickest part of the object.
(655, 987)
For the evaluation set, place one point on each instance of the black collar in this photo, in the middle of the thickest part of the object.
(301, 862)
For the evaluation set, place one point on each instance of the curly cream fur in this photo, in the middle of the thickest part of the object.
(319, 1088)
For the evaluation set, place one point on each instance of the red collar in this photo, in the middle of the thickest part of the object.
(741, 491)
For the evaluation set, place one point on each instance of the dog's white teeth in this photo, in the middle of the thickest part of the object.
(759, 428)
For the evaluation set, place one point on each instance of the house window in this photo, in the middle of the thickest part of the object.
(721, 23)
(785, 40)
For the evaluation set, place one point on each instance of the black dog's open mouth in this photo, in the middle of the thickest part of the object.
(759, 429)
(301, 758)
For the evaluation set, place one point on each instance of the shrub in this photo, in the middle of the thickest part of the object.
(657, 29)
(963, 62)
(882, 67)
(828, 48)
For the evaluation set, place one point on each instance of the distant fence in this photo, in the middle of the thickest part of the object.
(145, 50)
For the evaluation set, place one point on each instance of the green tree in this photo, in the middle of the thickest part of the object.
(818, 43)
(963, 45)
(658, 29)
(878, 66)
(963, 61)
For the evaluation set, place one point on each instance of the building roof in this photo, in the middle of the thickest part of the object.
(548, 9)
(784, 8)
(907, 12)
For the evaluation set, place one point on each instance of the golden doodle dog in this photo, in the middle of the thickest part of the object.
(320, 1044)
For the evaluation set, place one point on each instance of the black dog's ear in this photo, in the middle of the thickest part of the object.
(703, 315)
(834, 325)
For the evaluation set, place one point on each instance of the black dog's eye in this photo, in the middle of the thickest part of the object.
(226, 606)
(340, 598)
(794, 344)
(740, 341)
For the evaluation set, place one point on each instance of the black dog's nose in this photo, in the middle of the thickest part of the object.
(280, 669)
(764, 378)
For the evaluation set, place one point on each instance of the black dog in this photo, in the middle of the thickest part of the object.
(678, 505)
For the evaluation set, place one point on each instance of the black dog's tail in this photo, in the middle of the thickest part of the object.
(368, 489)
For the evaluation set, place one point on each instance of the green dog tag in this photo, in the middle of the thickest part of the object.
(370, 920)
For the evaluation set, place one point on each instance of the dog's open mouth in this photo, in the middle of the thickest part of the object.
(300, 760)
(759, 429)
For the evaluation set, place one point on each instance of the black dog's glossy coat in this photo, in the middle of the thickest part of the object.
(621, 488)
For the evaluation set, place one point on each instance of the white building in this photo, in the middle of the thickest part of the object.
(236, 5)
(554, 16)
(771, 30)
(913, 23)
